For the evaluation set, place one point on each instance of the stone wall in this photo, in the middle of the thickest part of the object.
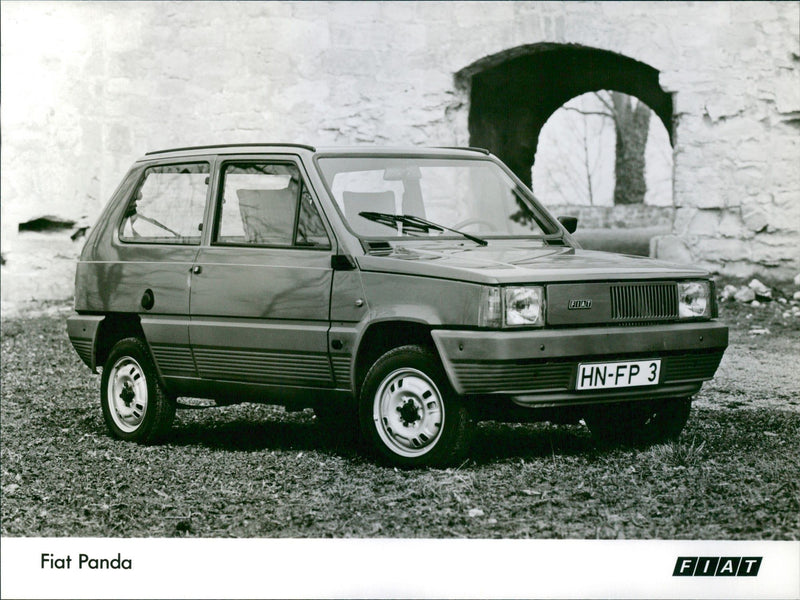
(90, 86)
(624, 216)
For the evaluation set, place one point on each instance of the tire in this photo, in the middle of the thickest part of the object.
(409, 414)
(639, 422)
(135, 405)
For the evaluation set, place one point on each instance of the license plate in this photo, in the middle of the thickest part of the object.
(600, 376)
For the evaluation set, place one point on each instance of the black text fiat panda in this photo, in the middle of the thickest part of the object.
(404, 292)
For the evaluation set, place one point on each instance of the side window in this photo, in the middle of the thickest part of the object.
(168, 206)
(266, 204)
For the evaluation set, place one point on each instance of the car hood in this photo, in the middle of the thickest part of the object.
(525, 262)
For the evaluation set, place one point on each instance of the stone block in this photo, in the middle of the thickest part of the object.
(751, 151)
(786, 198)
(785, 213)
(717, 249)
(526, 29)
(731, 225)
(709, 198)
(728, 292)
(762, 292)
(736, 268)
(755, 218)
(672, 249)
(787, 91)
(683, 216)
(704, 222)
(748, 180)
(745, 294)
(677, 80)
(773, 250)
(723, 107)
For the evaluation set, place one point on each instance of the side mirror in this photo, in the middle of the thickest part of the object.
(569, 223)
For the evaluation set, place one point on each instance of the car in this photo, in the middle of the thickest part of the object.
(404, 294)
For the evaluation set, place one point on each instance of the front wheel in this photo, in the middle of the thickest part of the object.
(408, 413)
(644, 422)
(135, 405)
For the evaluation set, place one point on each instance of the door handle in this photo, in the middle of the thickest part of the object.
(197, 269)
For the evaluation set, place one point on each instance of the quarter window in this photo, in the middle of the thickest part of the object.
(168, 206)
(268, 205)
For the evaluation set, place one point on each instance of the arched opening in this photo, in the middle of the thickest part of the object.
(512, 94)
(602, 149)
(606, 158)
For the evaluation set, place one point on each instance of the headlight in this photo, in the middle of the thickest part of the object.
(694, 299)
(524, 306)
(519, 306)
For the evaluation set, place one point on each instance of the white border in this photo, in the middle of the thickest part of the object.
(391, 568)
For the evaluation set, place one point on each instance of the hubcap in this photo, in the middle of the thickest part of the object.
(127, 394)
(408, 412)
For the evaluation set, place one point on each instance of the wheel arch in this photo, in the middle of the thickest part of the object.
(381, 336)
(113, 328)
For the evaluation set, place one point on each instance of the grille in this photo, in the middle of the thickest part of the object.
(84, 348)
(693, 366)
(481, 377)
(341, 370)
(537, 377)
(644, 302)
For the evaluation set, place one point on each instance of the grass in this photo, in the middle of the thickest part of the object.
(258, 471)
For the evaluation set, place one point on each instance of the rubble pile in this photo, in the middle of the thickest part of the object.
(758, 295)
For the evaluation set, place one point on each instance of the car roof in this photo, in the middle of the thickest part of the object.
(291, 148)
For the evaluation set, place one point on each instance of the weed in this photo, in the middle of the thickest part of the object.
(679, 453)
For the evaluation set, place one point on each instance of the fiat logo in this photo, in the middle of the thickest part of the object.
(579, 304)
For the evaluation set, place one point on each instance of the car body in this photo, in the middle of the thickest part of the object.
(404, 292)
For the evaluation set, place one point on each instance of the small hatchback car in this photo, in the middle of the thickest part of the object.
(407, 293)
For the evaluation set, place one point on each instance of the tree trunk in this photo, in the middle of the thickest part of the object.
(632, 125)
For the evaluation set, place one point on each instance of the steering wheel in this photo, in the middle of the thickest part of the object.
(469, 222)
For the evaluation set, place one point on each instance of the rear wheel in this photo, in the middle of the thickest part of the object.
(135, 405)
(639, 422)
(409, 414)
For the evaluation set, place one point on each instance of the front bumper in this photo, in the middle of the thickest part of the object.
(539, 367)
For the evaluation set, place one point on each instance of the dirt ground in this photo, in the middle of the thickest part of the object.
(759, 371)
(258, 471)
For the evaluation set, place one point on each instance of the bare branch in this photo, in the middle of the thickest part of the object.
(605, 102)
(588, 112)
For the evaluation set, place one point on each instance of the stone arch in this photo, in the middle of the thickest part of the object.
(513, 93)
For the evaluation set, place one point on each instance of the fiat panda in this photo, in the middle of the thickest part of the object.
(404, 294)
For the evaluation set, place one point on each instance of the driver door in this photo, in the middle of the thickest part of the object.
(260, 293)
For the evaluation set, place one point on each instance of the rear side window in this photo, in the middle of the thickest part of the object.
(168, 206)
(268, 204)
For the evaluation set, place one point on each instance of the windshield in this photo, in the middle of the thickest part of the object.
(389, 197)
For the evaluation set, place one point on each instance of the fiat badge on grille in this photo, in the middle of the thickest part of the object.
(579, 304)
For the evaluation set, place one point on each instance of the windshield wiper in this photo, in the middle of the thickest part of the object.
(391, 220)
